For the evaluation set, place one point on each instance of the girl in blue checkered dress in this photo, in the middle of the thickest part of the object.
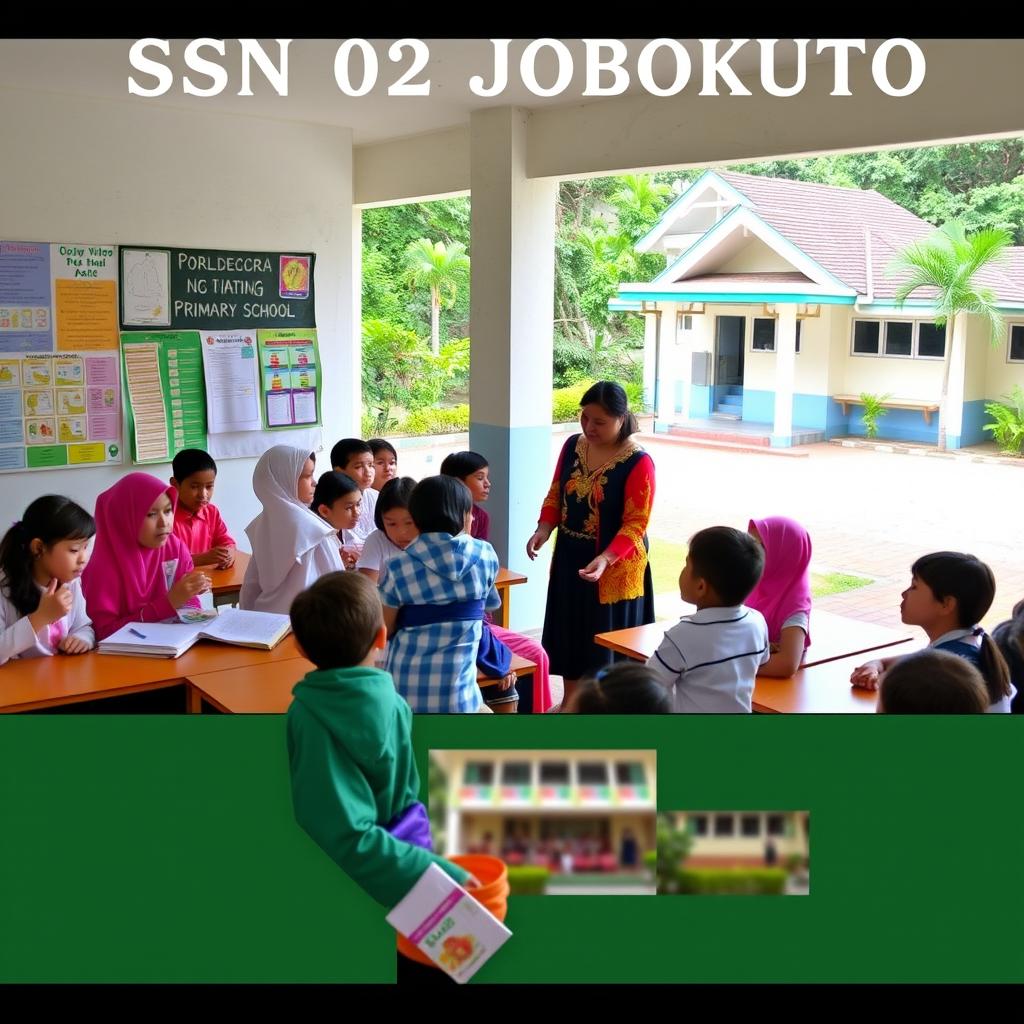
(434, 595)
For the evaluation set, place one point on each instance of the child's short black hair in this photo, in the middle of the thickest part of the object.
(189, 461)
(463, 464)
(932, 682)
(336, 619)
(440, 504)
(378, 445)
(394, 494)
(346, 448)
(627, 688)
(331, 486)
(729, 561)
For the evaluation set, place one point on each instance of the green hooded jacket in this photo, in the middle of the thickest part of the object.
(353, 772)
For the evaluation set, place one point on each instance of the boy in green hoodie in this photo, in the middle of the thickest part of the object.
(355, 787)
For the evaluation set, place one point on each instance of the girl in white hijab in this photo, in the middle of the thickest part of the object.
(291, 545)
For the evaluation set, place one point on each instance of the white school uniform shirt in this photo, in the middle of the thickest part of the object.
(377, 551)
(707, 661)
(1001, 706)
(358, 535)
(17, 638)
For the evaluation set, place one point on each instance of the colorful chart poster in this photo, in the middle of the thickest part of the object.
(290, 378)
(85, 296)
(232, 381)
(59, 410)
(26, 310)
(166, 401)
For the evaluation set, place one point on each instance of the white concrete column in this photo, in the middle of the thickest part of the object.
(957, 383)
(452, 832)
(651, 368)
(785, 370)
(513, 281)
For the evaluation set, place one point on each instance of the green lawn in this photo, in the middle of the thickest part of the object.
(667, 563)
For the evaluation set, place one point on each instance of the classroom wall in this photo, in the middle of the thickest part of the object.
(123, 171)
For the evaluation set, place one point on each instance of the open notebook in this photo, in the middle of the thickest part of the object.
(172, 639)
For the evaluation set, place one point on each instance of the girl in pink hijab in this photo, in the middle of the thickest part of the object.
(139, 571)
(783, 596)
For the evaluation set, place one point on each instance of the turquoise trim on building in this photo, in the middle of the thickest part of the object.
(896, 425)
(759, 406)
(623, 305)
(739, 298)
(973, 426)
(723, 185)
(677, 398)
(781, 441)
(700, 401)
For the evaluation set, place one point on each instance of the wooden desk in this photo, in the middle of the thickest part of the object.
(266, 689)
(29, 683)
(819, 689)
(228, 582)
(832, 637)
(506, 579)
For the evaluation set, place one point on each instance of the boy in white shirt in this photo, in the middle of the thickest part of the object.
(708, 660)
(355, 457)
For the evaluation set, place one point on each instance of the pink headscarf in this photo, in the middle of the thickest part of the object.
(122, 576)
(785, 587)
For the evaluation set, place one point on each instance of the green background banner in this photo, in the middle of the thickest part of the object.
(163, 849)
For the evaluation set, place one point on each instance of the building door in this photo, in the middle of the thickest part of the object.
(729, 349)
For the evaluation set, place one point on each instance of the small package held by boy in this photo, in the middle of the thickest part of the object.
(444, 922)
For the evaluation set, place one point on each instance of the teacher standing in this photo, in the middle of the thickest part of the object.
(600, 502)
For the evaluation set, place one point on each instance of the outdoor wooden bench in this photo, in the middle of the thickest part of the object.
(926, 407)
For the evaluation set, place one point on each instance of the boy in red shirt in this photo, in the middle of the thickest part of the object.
(197, 523)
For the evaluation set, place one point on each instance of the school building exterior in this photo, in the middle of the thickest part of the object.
(742, 838)
(529, 806)
(777, 309)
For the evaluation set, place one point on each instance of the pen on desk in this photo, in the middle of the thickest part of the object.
(135, 632)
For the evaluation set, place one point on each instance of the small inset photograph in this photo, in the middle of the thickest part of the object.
(750, 853)
(558, 822)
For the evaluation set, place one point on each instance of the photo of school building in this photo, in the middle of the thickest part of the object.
(575, 813)
(744, 838)
(776, 311)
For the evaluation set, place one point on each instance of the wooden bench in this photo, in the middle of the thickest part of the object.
(926, 408)
(523, 670)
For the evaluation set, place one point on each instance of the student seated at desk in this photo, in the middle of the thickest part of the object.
(292, 546)
(783, 594)
(338, 500)
(354, 457)
(708, 660)
(197, 521)
(355, 787)
(932, 682)
(385, 462)
(395, 529)
(949, 593)
(434, 596)
(1009, 638)
(42, 608)
(474, 471)
(626, 688)
(139, 571)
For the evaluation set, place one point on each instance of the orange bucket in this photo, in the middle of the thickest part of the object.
(492, 874)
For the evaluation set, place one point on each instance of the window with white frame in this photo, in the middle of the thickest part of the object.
(725, 825)
(762, 337)
(899, 339)
(750, 825)
(1015, 351)
(697, 824)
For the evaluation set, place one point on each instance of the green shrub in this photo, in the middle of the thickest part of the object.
(436, 421)
(733, 881)
(873, 411)
(1007, 427)
(527, 880)
(565, 402)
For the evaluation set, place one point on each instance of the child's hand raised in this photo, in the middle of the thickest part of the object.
(190, 585)
(868, 675)
(54, 604)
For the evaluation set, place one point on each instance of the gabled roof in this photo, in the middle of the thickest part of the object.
(851, 234)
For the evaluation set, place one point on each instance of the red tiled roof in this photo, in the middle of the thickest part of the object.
(829, 224)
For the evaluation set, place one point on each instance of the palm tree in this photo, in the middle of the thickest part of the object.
(948, 261)
(440, 268)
